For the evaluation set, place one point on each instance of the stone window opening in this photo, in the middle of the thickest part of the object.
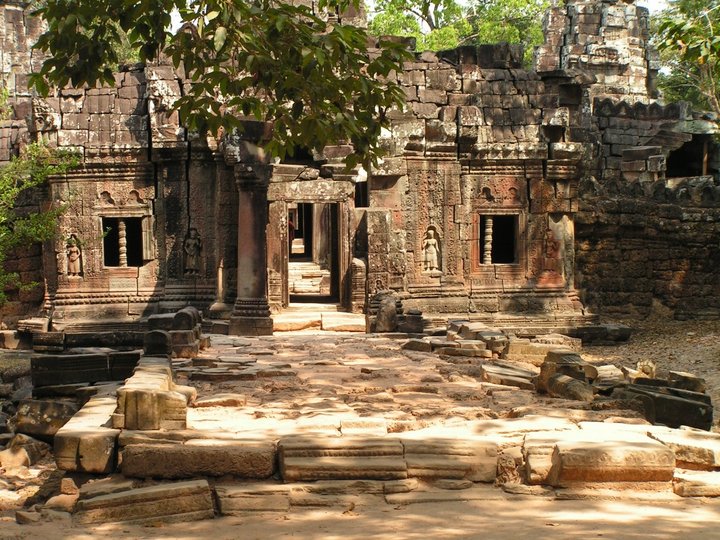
(123, 244)
(554, 134)
(498, 239)
(691, 159)
(570, 95)
(362, 199)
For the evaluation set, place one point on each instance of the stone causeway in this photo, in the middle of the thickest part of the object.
(318, 419)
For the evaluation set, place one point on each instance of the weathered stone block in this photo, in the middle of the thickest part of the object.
(199, 457)
(697, 449)
(696, 484)
(43, 418)
(84, 444)
(620, 460)
(304, 458)
(164, 503)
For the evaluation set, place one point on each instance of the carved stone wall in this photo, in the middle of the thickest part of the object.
(504, 191)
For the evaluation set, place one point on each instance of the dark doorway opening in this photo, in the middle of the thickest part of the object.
(314, 264)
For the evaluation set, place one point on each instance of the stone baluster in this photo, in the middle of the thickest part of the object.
(487, 240)
(122, 242)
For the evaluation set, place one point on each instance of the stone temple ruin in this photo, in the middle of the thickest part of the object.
(522, 197)
(513, 205)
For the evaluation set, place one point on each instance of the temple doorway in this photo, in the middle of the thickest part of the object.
(313, 263)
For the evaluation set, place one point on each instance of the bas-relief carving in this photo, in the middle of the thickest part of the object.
(45, 118)
(192, 247)
(493, 192)
(554, 267)
(431, 251)
(74, 256)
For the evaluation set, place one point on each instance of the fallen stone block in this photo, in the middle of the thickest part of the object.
(105, 486)
(670, 406)
(693, 449)
(696, 484)
(630, 459)
(26, 518)
(199, 457)
(506, 376)
(687, 381)
(43, 418)
(343, 322)
(564, 362)
(564, 386)
(69, 368)
(163, 503)
(417, 345)
(84, 444)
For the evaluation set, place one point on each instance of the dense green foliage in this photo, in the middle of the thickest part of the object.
(17, 229)
(435, 24)
(314, 82)
(688, 36)
(445, 24)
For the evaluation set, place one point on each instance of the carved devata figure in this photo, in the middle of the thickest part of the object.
(74, 256)
(431, 251)
(192, 247)
(551, 274)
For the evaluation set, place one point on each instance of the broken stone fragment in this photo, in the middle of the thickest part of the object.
(696, 484)
(23, 451)
(417, 345)
(43, 417)
(62, 502)
(568, 363)
(686, 381)
(563, 386)
(26, 518)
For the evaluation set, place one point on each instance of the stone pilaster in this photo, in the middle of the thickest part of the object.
(251, 313)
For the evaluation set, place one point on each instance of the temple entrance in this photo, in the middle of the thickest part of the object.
(310, 234)
(313, 252)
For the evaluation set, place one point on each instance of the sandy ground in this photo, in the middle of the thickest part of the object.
(340, 378)
(506, 518)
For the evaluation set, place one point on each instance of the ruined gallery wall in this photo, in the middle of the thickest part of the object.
(646, 238)
(17, 33)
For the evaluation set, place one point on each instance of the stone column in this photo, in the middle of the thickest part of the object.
(487, 246)
(251, 313)
(122, 242)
